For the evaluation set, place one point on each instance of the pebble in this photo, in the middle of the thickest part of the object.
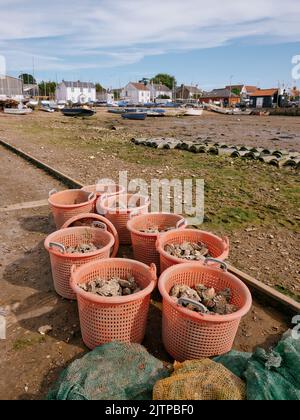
(45, 329)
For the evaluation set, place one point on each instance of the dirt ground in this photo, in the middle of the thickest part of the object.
(264, 233)
(256, 205)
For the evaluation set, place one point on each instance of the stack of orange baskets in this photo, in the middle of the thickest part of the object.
(189, 335)
(218, 247)
(70, 203)
(104, 190)
(143, 243)
(118, 209)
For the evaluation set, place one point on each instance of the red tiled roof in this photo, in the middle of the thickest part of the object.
(251, 89)
(140, 86)
(264, 92)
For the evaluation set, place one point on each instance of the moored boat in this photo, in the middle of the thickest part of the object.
(17, 111)
(78, 112)
(193, 112)
(134, 115)
(47, 109)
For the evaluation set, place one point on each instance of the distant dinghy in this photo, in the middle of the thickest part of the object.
(193, 112)
(78, 112)
(17, 111)
(134, 116)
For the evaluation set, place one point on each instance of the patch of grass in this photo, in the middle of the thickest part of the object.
(22, 343)
(232, 218)
(287, 292)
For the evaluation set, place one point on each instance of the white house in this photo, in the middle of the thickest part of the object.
(77, 92)
(158, 90)
(136, 93)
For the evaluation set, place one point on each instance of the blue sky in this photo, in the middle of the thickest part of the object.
(115, 41)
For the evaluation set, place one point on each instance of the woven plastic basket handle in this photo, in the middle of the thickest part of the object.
(133, 214)
(226, 242)
(92, 196)
(186, 301)
(54, 191)
(215, 260)
(99, 225)
(61, 247)
(180, 223)
(153, 270)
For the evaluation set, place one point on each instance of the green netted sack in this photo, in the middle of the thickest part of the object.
(113, 371)
(235, 361)
(273, 375)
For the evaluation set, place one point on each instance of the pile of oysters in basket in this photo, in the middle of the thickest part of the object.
(204, 300)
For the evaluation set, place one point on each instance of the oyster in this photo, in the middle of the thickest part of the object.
(112, 287)
(83, 248)
(188, 251)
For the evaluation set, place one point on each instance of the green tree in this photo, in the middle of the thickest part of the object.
(28, 79)
(236, 91)
(164, 79)
(99, 88)
(47, 88)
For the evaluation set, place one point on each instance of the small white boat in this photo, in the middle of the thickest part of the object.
(219, 109)
(47, 109)
(33, 103)
(193, 112)
(17, 111)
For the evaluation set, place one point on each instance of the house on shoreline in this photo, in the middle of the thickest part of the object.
(159, 91)
(136, 93)
(76, 92)
(266, 98)
(187, 93)
(224, 97)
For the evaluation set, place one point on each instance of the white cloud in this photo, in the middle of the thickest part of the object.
(103, 33)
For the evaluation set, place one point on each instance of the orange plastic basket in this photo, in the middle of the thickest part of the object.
(133, 203)
(218, 247)
(121, 318)
(61, 262)
(188, 335)
(104, 190)
(144, 244)
(93, 220)
(70, 203)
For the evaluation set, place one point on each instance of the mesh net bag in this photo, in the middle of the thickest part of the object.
(113, 371)
(200, 380)
(273, 375)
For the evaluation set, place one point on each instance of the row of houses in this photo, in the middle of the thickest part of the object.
(145, 92)
(247, 95)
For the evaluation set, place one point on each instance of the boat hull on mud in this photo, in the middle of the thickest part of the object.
(134, 116)
(77, 112)
(15, 111)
